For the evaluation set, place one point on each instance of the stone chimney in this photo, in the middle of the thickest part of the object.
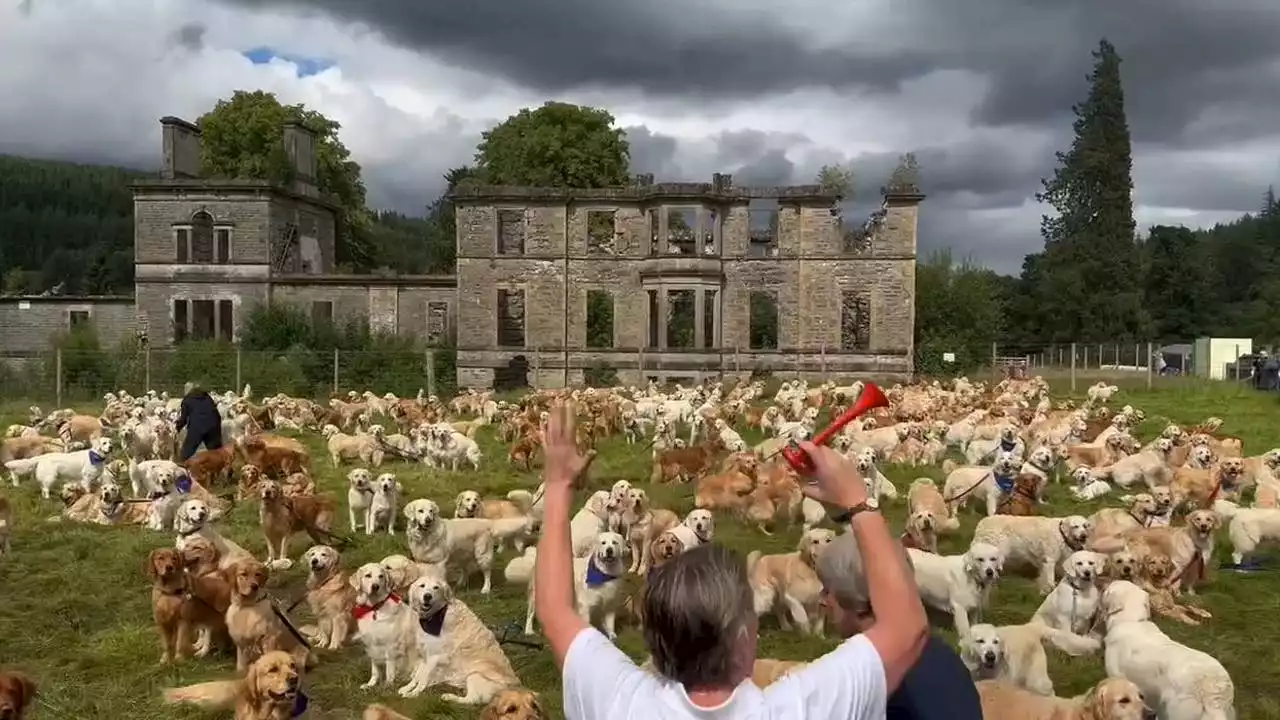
(181, 147)
(300, 146)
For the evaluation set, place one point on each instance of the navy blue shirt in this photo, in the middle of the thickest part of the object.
(938, 687)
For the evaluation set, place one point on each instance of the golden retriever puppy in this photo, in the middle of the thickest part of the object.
(253, 624)
(788, 585)
(1111, 699)
(330, 597)
(269, 690)
(282, 516)
(16, 693)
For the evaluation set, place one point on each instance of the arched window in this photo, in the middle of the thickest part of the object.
(202, 238)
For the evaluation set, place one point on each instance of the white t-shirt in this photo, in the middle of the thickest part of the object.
(602, 683)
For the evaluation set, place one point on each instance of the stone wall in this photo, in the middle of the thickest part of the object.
(811, 269)
(31, 323)
(402, 305)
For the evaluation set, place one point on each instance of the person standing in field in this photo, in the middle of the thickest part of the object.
(199, 415)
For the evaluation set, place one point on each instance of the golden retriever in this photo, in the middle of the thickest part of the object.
(270, 690)
(1111, 699)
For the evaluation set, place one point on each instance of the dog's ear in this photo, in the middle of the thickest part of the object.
(354, 580)
(23, 689)
(149, 565)
(969, 565)
(1094, 705)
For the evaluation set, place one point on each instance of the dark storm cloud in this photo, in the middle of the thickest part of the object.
(1181, 56)
(190, 36)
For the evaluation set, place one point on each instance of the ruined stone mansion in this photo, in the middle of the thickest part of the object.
(671, 281)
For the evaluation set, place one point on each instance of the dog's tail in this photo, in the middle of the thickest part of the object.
(523, 500)
(753, 557)
(382, 712)
(216, 695)
(23, 467)
(520, 570)
(1068, 642)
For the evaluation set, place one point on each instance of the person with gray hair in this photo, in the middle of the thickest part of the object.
(938, 686)
(700, 622)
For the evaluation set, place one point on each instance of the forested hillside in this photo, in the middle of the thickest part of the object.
(65, 223)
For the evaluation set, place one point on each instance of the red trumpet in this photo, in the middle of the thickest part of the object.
(871, 398)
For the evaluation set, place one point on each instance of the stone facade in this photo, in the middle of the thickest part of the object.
(686, 265)
(675, 242)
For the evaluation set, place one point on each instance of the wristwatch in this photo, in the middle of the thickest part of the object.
(846, 516)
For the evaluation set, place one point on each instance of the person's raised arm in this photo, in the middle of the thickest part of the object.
(553, 598)
(184, 413)
(901, 627)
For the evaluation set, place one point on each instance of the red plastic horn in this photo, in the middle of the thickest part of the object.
(871, 398)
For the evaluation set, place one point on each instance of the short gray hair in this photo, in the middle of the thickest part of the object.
(842, 573)
(694, 606)
(190, 386)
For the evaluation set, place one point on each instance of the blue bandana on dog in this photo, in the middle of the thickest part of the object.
(1008, 446)
(183, 484)
(595, 576)
(95, 458)
(300, 704)
(1004, 482)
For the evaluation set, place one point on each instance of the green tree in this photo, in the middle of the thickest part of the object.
(241, 138)
(837, 179)
(556, 145)
(961, 309)
(1090, 238)
(1178, 284)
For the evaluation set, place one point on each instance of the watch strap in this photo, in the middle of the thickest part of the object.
(847, 514)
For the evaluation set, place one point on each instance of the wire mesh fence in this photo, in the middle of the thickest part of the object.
(73, 375)
(70, 376)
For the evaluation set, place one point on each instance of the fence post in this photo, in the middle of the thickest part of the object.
(1100, 360)
(57, 380)
(146, 368)
(335, 371)
(537, 367)
(431, 372)
(737, 361)
(1151, 351)
(1073, 366)
(1085, 364)
(239, 369)
(822, 359)
(640, 366)
(994, 353)
(1137, 353)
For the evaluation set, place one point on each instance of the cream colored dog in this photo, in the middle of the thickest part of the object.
(788, 585)
(1015, 653)
(463, 545)
(1073, 602)
(1039, 544)
(957, 584)
(597, 581)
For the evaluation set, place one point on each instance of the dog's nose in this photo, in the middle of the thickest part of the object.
(253, 588)
(989, 656)
(991, 572)
(1149, 714)
(292, 682)
(375, 587)
(315, 563)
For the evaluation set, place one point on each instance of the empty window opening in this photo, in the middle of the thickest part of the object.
(511, 232)
(654, 225)
(77, 318)
(855, 321)
(762, 228)
(322, 312)
(709, 306)
(681, 308)
(181, 320)
(202, 238)
(511, 316)
(222, 245)
(654, 315)
(682, 228)
(182, 244)
(709, 232)
(437, 323)
(599, 319)
(763, 320)
(601, 232)
(225, 321)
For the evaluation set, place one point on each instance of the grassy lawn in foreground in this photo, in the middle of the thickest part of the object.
(75, 605)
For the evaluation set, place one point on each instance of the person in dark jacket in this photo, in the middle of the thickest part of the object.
(938, 686)
(199, 415)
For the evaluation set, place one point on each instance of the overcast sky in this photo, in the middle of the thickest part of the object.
(981, 91)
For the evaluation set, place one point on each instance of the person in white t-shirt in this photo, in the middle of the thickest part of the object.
(700, 622)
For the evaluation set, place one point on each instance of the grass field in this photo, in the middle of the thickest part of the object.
(75, 605)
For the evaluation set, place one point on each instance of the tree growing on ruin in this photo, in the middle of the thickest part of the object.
(556, 145)
(1090, 236)
(836, 178)
(241, 138)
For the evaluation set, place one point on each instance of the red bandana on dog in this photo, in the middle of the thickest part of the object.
(361, 611)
